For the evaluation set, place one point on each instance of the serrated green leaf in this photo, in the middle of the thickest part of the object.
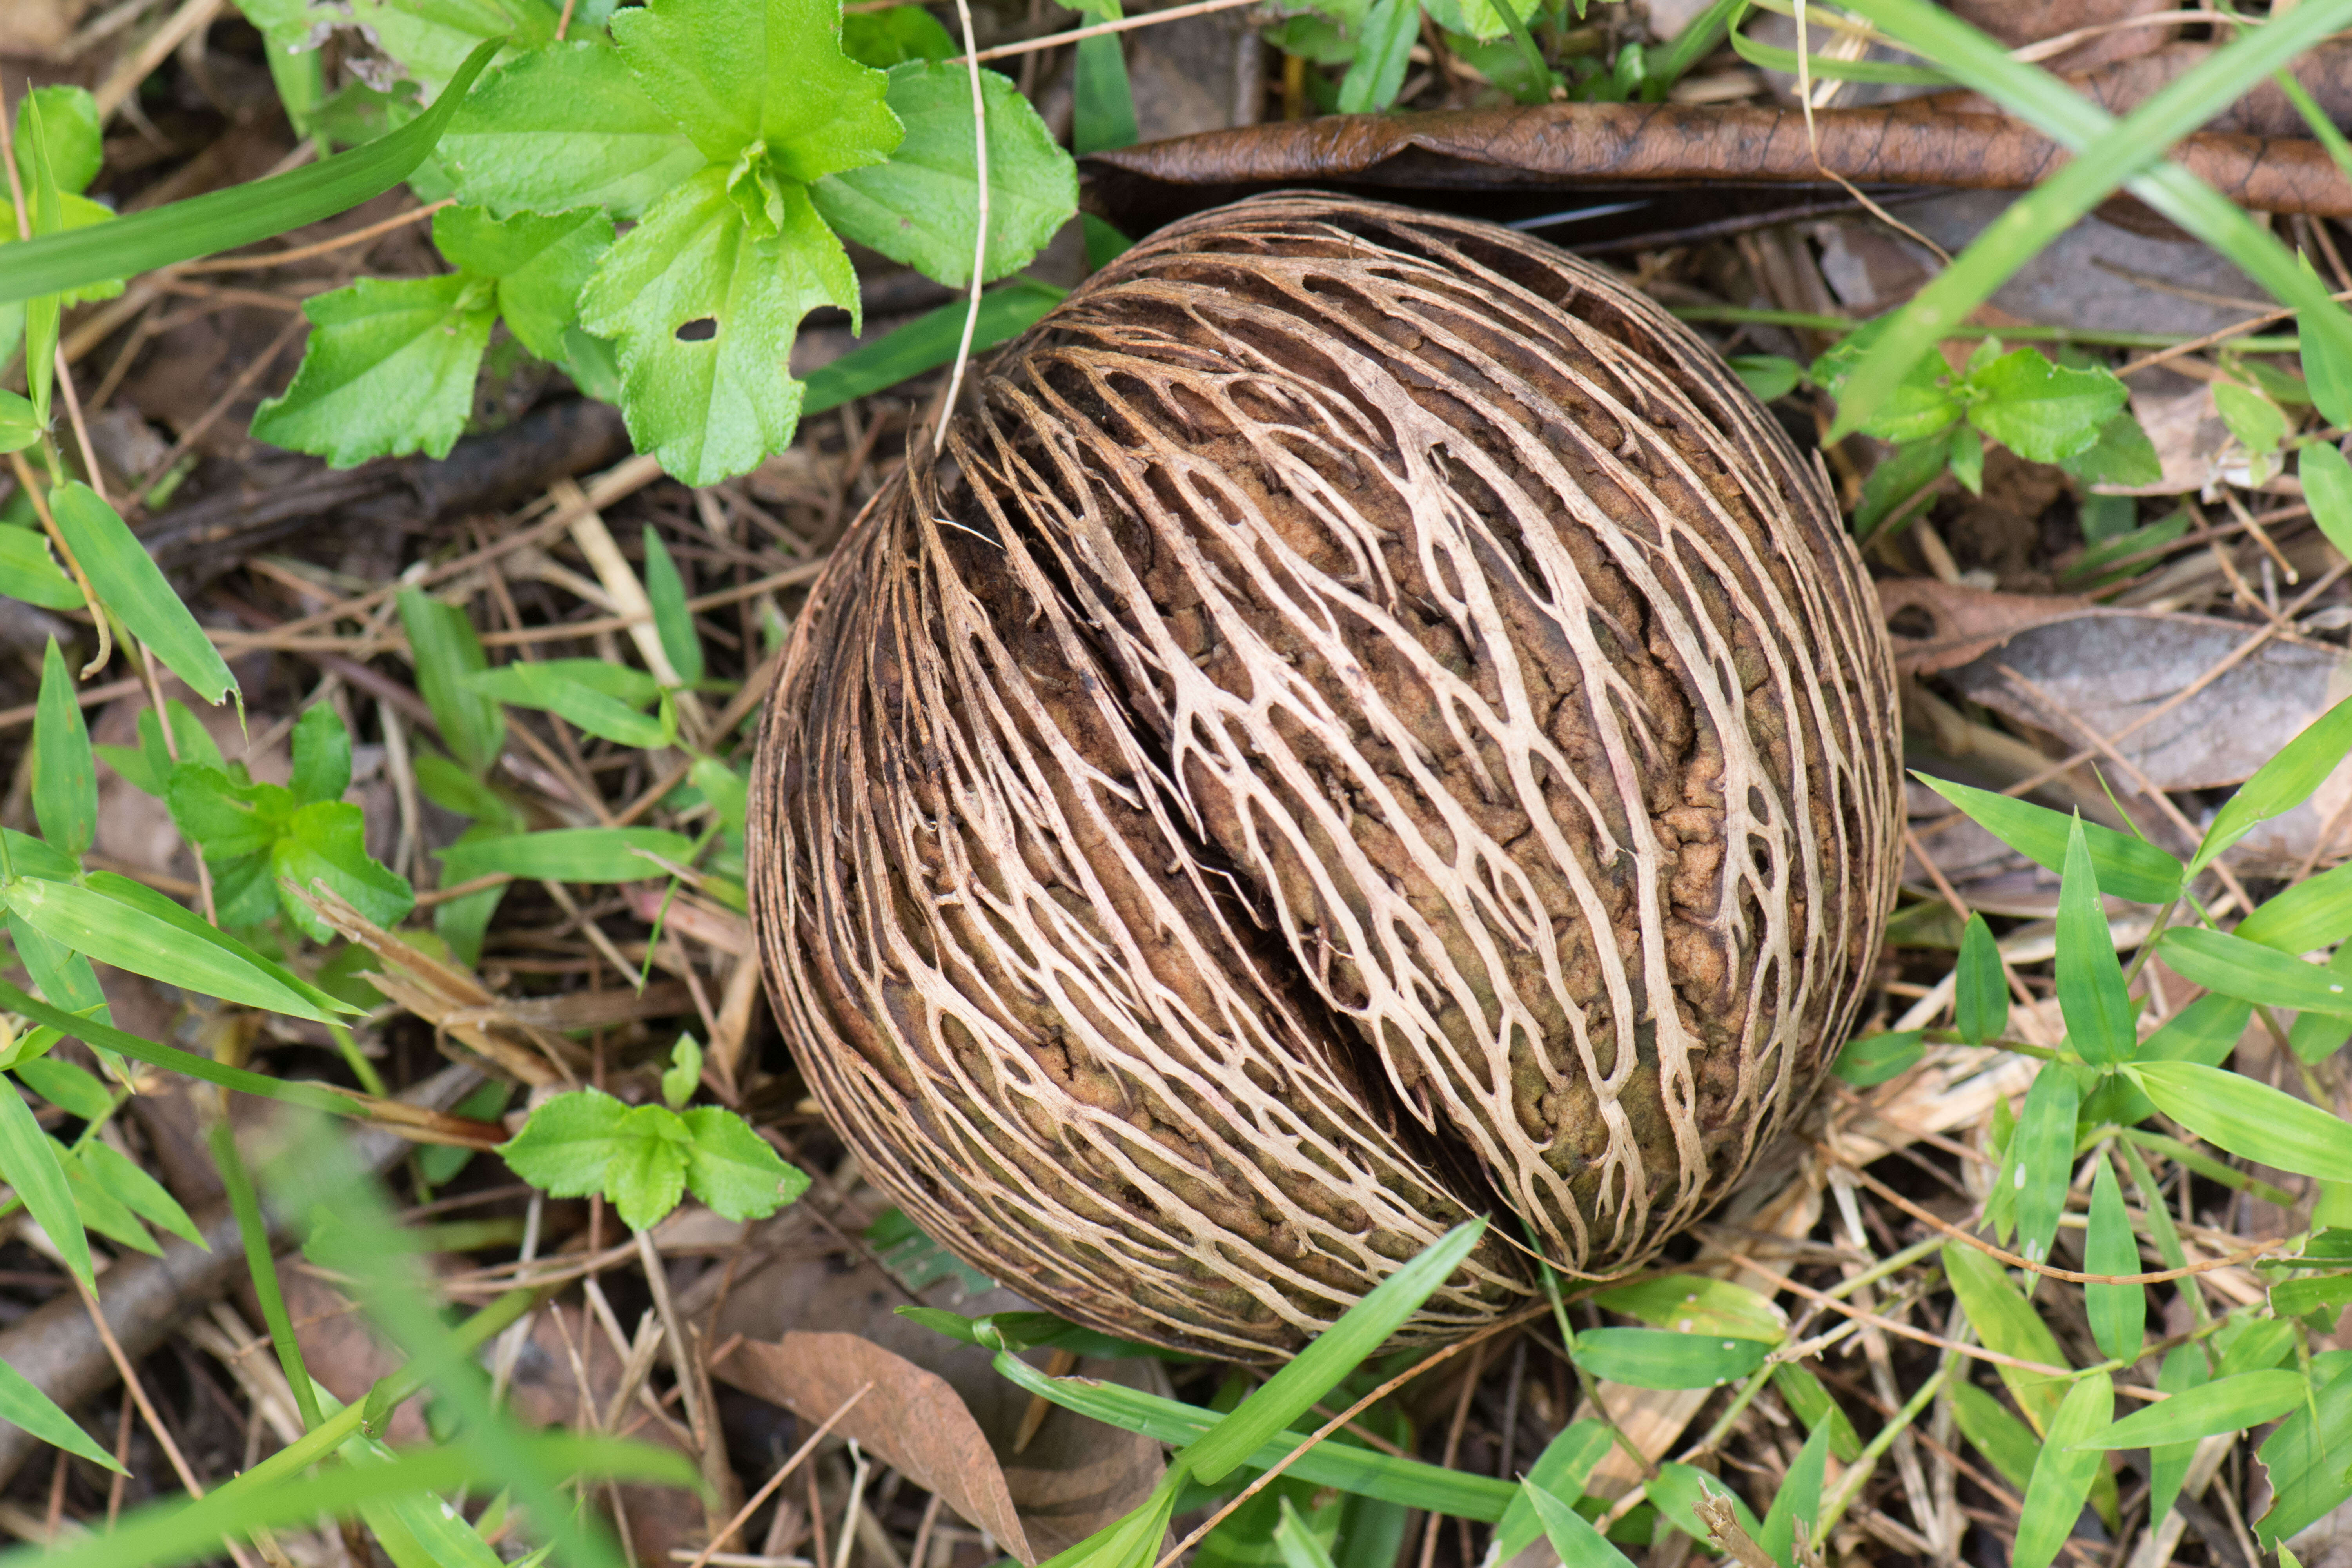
(2224, 1405)
(561, 128)
(1658, 1358)
(445, 650)
(25, 1405)
(65, 776)
(648, 1177)
(131, 584)
(2006, 1322)
(2281, 784)
(885, 38)
(2043, 1153)
(537, 686)
(731, 1168)
(733, 73)
(2236, 967)
(326, 841)
(922, 206)
(713, 406)
(2122, 454)
(390, 370)
(541, 265)
(601, 855)
(2091, 993)
(2044, 412)
(1979, 989)
(28, 1162)
(1697, 1304)
(2063, 1473)
(568, 1143)
(2250, 1118)
(2128, 867)
(2118, 1313)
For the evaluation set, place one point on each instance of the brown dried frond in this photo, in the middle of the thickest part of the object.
(1371, 723)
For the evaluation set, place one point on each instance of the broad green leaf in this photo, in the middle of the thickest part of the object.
(541, 265)
(1337, 1350)
(1659, 1358)
(1564, 1467)
(445, 650)
(2259, 424)
(684, 1074)
(2281, 784)
(561, 128)
(1921, 403)
(2043, 1151)
(923, 344)
(2043, 412)
(2007, 1322)
(2000, 1437)
(2063, 1473)
(1767, 377)
(2316, 913)
(326, 841)
(1677, 1489)
(672, 620)
(2118, 1313)
(131, 584)
(131, 938)
(1967, 450)
(1366, 1471)
(69, 130)
(28, 1162)
(2236, 967)
(1578, 1544)
(66, 1087)
(390, 370)
(922, 206)
(2251, 1120)
(1979, 989)
(885, 38)
(739, 74)
(530, 685)
(1874, 1058)
(2184, 1369)
(137, 1191)
(1799, 1499)
(731, 1168)
(569, 854)
(568, 1143)
(1373, 81)
(241, 214)
(2224, 1405)
(711, 406)
(648, 1177)
(65, 776)
(23, 1405)
(2128, 867)
(2091, 993)
(1696, 1304)
(2304, 1456)
(2122, 455)
(322, 755)
(2328, 477)
(1811, 1404)
(28, 571)
(19, 426)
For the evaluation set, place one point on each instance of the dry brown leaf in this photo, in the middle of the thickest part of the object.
(910, 1416)
(1940, 626)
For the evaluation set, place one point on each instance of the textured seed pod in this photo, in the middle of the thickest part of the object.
(1368, 724)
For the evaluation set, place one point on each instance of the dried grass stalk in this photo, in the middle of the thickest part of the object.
(1370, 722)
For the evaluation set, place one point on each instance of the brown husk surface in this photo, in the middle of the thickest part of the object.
(1368, 724)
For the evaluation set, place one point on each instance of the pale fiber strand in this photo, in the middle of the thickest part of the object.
(979, 240)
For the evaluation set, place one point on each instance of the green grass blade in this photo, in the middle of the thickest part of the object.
(2228, 1404)
(2091, 994)
(673, 622)
(242, 215)
(137, 1191)
(1579, 1545)
(926, 343)
(2232, 1111)
(132, 585)
(2118, 1313)
(1698, 41)
(2281, 784)
(65, 776)
(2109, 154)
(444, 649)
(1296, 1540)
(262, 1263)
(30, 1164)
(22, 1404)
(1365, 1471)
(597, 855)
(1337, 1350)
(133, 939)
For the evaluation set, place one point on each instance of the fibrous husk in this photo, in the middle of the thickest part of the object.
(1368, 724)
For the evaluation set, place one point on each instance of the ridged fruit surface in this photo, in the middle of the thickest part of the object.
(1367, 723)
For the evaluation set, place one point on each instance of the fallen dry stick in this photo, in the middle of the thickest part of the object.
(1554, 144)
